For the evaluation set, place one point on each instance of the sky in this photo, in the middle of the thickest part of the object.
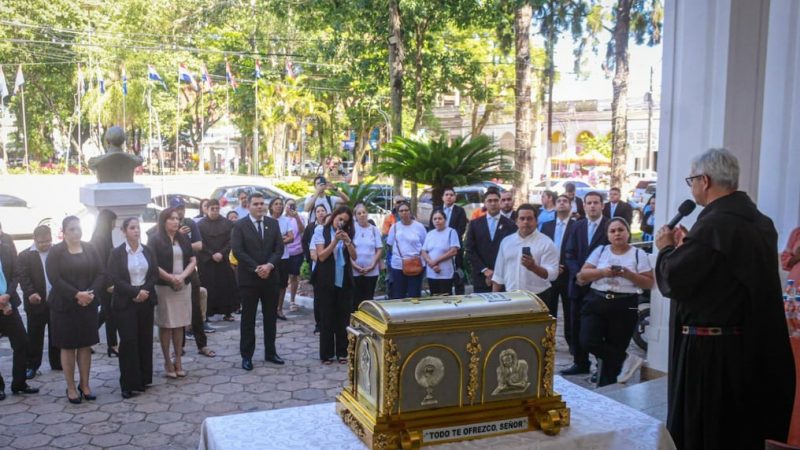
(597, 85)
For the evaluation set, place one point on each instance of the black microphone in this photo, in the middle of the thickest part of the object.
(684, 210)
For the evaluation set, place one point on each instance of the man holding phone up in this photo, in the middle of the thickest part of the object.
(533, 267)
(321, 197)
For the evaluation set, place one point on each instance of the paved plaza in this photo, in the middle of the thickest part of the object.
(168, 415)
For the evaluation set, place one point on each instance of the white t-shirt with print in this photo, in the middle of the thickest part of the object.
(602, 257)
(409, 239)
(437, 243)
(366, 240)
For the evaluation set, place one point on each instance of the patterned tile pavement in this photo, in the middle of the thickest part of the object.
(169, 414)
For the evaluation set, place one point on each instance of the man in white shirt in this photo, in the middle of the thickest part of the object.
(243, 209)
(527, 259)
(320, 196)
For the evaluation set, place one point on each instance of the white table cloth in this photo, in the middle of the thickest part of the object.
(597, 422)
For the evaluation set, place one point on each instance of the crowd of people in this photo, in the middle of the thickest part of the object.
(728, 321)
(193, 269)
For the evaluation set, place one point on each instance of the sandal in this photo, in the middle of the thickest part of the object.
(342, 360)
(228, 318)
(293, 307)
(205, 351)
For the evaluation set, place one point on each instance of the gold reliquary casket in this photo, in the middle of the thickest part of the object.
(443, 369)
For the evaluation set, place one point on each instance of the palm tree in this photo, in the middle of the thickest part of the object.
(441, 164)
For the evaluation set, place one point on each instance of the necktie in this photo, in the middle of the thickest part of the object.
(260, 230)
(339, 282)
(559, 233)
(492, 226)
(592, 228)
(3, 283)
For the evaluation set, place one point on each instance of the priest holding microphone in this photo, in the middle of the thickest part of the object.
(731, 371)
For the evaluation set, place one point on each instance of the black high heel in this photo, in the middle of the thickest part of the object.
(74, 401)
(112, 353)
(88, 397)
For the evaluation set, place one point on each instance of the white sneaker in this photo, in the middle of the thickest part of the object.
(629, 367)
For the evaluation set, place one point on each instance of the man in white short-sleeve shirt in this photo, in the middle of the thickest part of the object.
(321, 197)
(515, 268)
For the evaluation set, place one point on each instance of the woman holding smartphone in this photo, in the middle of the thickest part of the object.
(440, 247)
(333, 282)
(76, 273)
(618, 273)
(295, 249)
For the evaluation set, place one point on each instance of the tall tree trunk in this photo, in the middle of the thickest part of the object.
(619, 105)
(522, 114)
(419, 94)
(396, 61)
(362, 144)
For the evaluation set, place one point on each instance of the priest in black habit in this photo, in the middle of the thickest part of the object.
(731, 371)
(213, 261)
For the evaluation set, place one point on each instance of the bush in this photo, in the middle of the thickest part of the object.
(298, 188)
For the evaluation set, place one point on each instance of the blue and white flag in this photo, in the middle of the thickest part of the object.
(20, 81)
(3, 85)
(186, 76)
(206, 78)
(153, 75)
(124, 81)
(101, 81)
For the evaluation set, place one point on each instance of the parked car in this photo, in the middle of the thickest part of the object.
(18, 218)
(468, 197)
(228, 196)
(192, 202)
(638, 196)
(557, 185)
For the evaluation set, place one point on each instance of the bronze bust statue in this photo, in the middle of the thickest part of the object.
(115, 166)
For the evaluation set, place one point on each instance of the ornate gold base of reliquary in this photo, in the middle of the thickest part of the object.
(446, 369)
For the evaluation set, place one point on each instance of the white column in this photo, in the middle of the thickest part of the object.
(779, 184)
(712, 95)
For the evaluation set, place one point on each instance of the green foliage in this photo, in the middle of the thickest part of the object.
(299, 188)
(359, 193)
(441, 164)
(601, 144)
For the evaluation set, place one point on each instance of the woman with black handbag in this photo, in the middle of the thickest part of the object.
(441, 245)
(406, 238)
(333, 282)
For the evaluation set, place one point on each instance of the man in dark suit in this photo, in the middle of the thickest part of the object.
(6, 239)
(507, 206)
(586, 235)
(558, 230)
(257, 243)
(576, 206)
(11, 323)
(455, 218)
(617, 208)
(35, 287)
(483, 240)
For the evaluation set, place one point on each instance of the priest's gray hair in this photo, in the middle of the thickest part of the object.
(720, 165)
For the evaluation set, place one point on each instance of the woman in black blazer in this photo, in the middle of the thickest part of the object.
(76, 274)
(133, 271)
(333, 282)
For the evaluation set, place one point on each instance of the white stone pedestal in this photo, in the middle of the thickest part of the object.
(125, 199)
